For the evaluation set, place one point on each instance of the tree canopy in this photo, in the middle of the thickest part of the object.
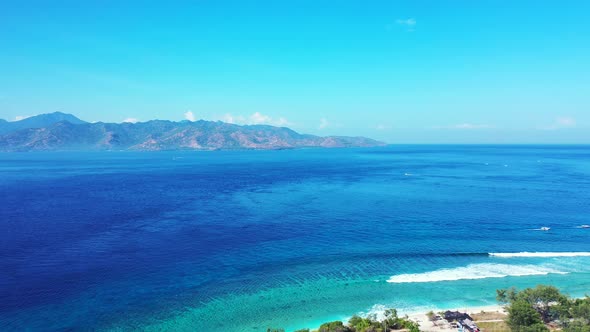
(531, 308)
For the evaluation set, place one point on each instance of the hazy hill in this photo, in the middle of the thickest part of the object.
(38, 121)
(162, 135)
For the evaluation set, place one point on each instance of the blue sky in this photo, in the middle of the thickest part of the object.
(400, 71)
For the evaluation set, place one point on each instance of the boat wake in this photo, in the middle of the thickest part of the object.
(474, 271)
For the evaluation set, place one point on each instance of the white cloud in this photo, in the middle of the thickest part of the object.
(383, 127)
(324, 123)
(189, 116)
(471, 126)
(465, 126)
(566, 122)
(228, 118)
(561, 123)
(282, 122)
(258, 118)
(410, 22)
(255, 119)
(131, 120)
(21, 117)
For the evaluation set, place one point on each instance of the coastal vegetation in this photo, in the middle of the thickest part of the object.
(543, 308)
(539, 309)
(370, 323)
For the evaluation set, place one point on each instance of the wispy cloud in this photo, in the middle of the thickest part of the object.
(561, 122)
(189, 116)
(233, 119)
(465, 126)
(566, 122)
(21, 117)
(259, 118)
(282, 122)
(131, 120)
(408, 23)
(324, 123)
(471, 126)
(255, 118)
(383, 127)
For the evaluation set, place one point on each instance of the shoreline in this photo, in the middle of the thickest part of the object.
(428, 326)
(420, 316)
(467, 309)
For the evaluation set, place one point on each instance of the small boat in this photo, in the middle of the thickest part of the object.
(544, 228)
(585, 226)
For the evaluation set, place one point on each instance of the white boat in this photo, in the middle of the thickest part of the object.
(585, 226)
(545, 228)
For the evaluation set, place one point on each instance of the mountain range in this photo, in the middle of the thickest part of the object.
(65, 132)
(38, 121)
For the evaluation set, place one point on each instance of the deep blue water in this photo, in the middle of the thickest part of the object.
(244, 240)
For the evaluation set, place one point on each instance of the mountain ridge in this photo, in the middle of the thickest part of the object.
(157, 135)
(37, 121)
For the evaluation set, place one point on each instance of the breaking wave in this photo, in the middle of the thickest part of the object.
(474, 271)
(540, 254)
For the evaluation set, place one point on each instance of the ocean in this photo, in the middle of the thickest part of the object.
(246, 240)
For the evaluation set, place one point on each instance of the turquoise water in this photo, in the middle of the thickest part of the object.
(245, 240)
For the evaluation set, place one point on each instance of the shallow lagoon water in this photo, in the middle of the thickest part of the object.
(245, 240)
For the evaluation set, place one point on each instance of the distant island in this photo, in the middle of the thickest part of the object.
(65, 132)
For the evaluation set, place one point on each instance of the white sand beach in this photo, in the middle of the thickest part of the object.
(426, 325)
(442, 325)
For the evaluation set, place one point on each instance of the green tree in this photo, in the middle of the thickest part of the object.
(412, 326)
(576, 315)
(546, 300)
(368, 324)
(523, 317)
(577, 326)
(392, 320)
(581, 309)
(359, 324)
(505, 296)
(336, 326)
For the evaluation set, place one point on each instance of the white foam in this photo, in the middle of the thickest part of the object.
(377, 311)
(474, 271)
(541, 229)
(540, 254)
